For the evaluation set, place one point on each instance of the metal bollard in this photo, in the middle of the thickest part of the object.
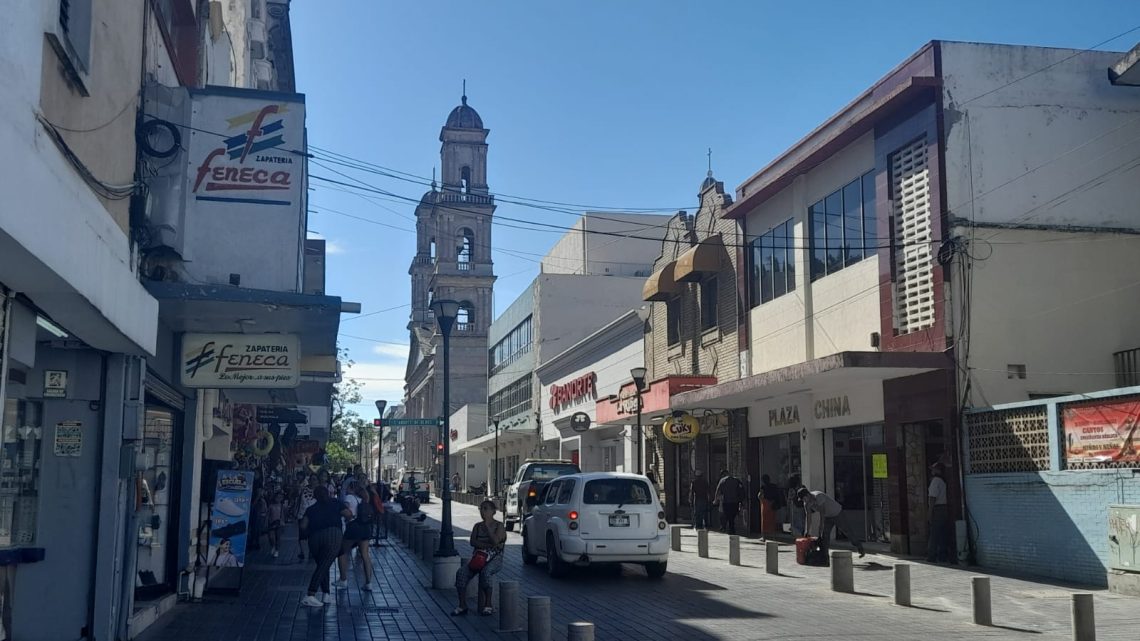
(703, 543)
(842, 571)
(1084, 626)
(508, 606)
(734, 550)
(902, 584)
(580, 631)
(675, 537)
(538, 618)
(983, 610)
(772, 549)
(431, 543)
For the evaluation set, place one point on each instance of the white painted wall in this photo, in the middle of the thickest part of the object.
(1027, 151)
(846, 306)
(596, 252)
(1058, 303)
(59, 244)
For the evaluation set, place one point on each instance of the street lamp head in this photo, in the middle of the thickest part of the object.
(380, 406)
(638, 374)
(445, 309)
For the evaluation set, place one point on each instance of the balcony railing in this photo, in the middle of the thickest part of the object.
(464, 266)
(423, 259)
(465, 328)
(1127, 367)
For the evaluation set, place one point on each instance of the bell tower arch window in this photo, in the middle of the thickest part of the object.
(465, 249)
(464, 180)
(465, 318)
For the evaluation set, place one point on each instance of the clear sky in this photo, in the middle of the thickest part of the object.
(606, 103)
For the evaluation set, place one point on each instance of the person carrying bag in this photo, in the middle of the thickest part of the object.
(488, 538)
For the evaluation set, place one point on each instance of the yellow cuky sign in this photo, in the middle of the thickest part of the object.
(681, 429)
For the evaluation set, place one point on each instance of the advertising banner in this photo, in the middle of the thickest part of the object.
(229, 519)
(241, 360)
(1102, 431)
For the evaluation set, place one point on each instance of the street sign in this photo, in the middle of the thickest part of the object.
(580, 422)
(413, 422)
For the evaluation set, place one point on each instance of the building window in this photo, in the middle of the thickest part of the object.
(75, 27)
(843, 229)
(465, 317)
(513, 399)
(673, 319)
(465, 179)
(465, 252)
(709, 297)
(20, 457)
(510, 347)
(773, 264)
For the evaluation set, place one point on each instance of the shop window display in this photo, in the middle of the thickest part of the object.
(19, 472)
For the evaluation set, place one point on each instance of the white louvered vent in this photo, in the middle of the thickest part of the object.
(914, 269)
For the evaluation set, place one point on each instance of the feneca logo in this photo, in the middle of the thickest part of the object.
(256, 358)
(259, 137)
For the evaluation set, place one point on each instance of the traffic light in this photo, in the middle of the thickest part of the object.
(439, 447)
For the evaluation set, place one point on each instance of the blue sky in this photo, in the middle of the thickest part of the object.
(601, 103)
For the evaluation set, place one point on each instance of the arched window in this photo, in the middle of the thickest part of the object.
(464, 179)
(465, 318)
(465, 248)
(431, 248)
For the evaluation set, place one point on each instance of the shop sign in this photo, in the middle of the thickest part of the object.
(241, 158)
(580, 422)
(69, 439)
(55, 383)
(280, 414)
(241, 360)
(681, 429)
(878, 466)
(628, 402)
(1102, 431)
(455, 435)
(782, 416)
(585, 386)
(833, 407)
(229, 519)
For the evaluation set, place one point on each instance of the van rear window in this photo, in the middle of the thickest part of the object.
(617, 492)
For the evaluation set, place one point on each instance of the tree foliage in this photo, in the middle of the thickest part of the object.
(347, 426)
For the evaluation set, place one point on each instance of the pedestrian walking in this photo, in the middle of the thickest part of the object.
(488, 537)
(305, 500)
(322, 523)
(699, 499)
(356, 533)
(729, 494)
(260, 525)
(771, 502)
(832, 515)
(276, 521)
(376, 498)
(938, 548)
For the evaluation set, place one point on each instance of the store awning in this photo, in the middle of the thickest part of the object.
(699, 261)
(661, 285)
(826, 372)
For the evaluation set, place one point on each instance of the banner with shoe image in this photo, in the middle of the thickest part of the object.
(229, 519)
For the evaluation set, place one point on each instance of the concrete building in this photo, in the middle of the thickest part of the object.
(692, 339)
(452, 261)
(599, 244)
(905, 264)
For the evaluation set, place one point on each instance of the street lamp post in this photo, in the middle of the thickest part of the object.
(496, 422)
(638, 374)
(446, 559)
(380, 406)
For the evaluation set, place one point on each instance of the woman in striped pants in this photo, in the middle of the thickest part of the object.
(322, 522)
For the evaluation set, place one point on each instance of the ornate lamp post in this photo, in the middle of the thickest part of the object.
(446, 559)
(496, 422)
(638, 374)
(380, 406)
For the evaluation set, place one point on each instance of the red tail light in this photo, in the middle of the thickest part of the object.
(532, 492)
(573, 516)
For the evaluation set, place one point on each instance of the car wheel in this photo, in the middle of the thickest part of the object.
(656, 570)
(528, 558)
(555, 566)
(510, 525)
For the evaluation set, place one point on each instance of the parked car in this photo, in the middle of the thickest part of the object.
(419, 488)
(532, 476)
(597, 518)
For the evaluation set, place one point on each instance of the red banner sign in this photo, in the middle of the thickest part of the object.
(584, 386)
(1102, 431)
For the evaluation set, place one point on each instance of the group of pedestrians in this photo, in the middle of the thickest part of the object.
(336, 520)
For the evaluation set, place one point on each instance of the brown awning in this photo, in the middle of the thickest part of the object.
(694, 264)
(661, 285)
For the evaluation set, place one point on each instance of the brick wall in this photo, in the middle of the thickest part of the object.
(1052, 524)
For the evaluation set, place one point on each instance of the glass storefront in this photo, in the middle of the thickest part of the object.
(862, 495)
(19, 470)
(158, 503)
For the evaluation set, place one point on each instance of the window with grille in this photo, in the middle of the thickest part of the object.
(513, 399)
(673, 319)
(510, 347)
(709, 296)
(843, 227)
(773, 264)
(913, 264)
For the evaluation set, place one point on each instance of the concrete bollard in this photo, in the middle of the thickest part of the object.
(983, 609)
(842, 571)
(538, 618)
(675, 537)
(1084, 626)
(414, 535)
(902, 584)
(508, 606)
(703, 543)
(431, 544)
(772, 562)
(734, 550)
(422, 539)
(403, 528)
(580, 631)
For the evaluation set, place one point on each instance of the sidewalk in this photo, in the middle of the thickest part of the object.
(699, 599)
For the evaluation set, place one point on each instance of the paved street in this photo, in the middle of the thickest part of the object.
(699, 599)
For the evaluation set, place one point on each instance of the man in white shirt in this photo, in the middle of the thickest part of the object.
(938, 547)
(831, 515)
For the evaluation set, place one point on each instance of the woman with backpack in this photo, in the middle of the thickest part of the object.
(356, 534)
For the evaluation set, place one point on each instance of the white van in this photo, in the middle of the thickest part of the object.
(597, 518)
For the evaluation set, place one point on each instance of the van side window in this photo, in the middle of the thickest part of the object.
(565, 491)
(551, 493)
